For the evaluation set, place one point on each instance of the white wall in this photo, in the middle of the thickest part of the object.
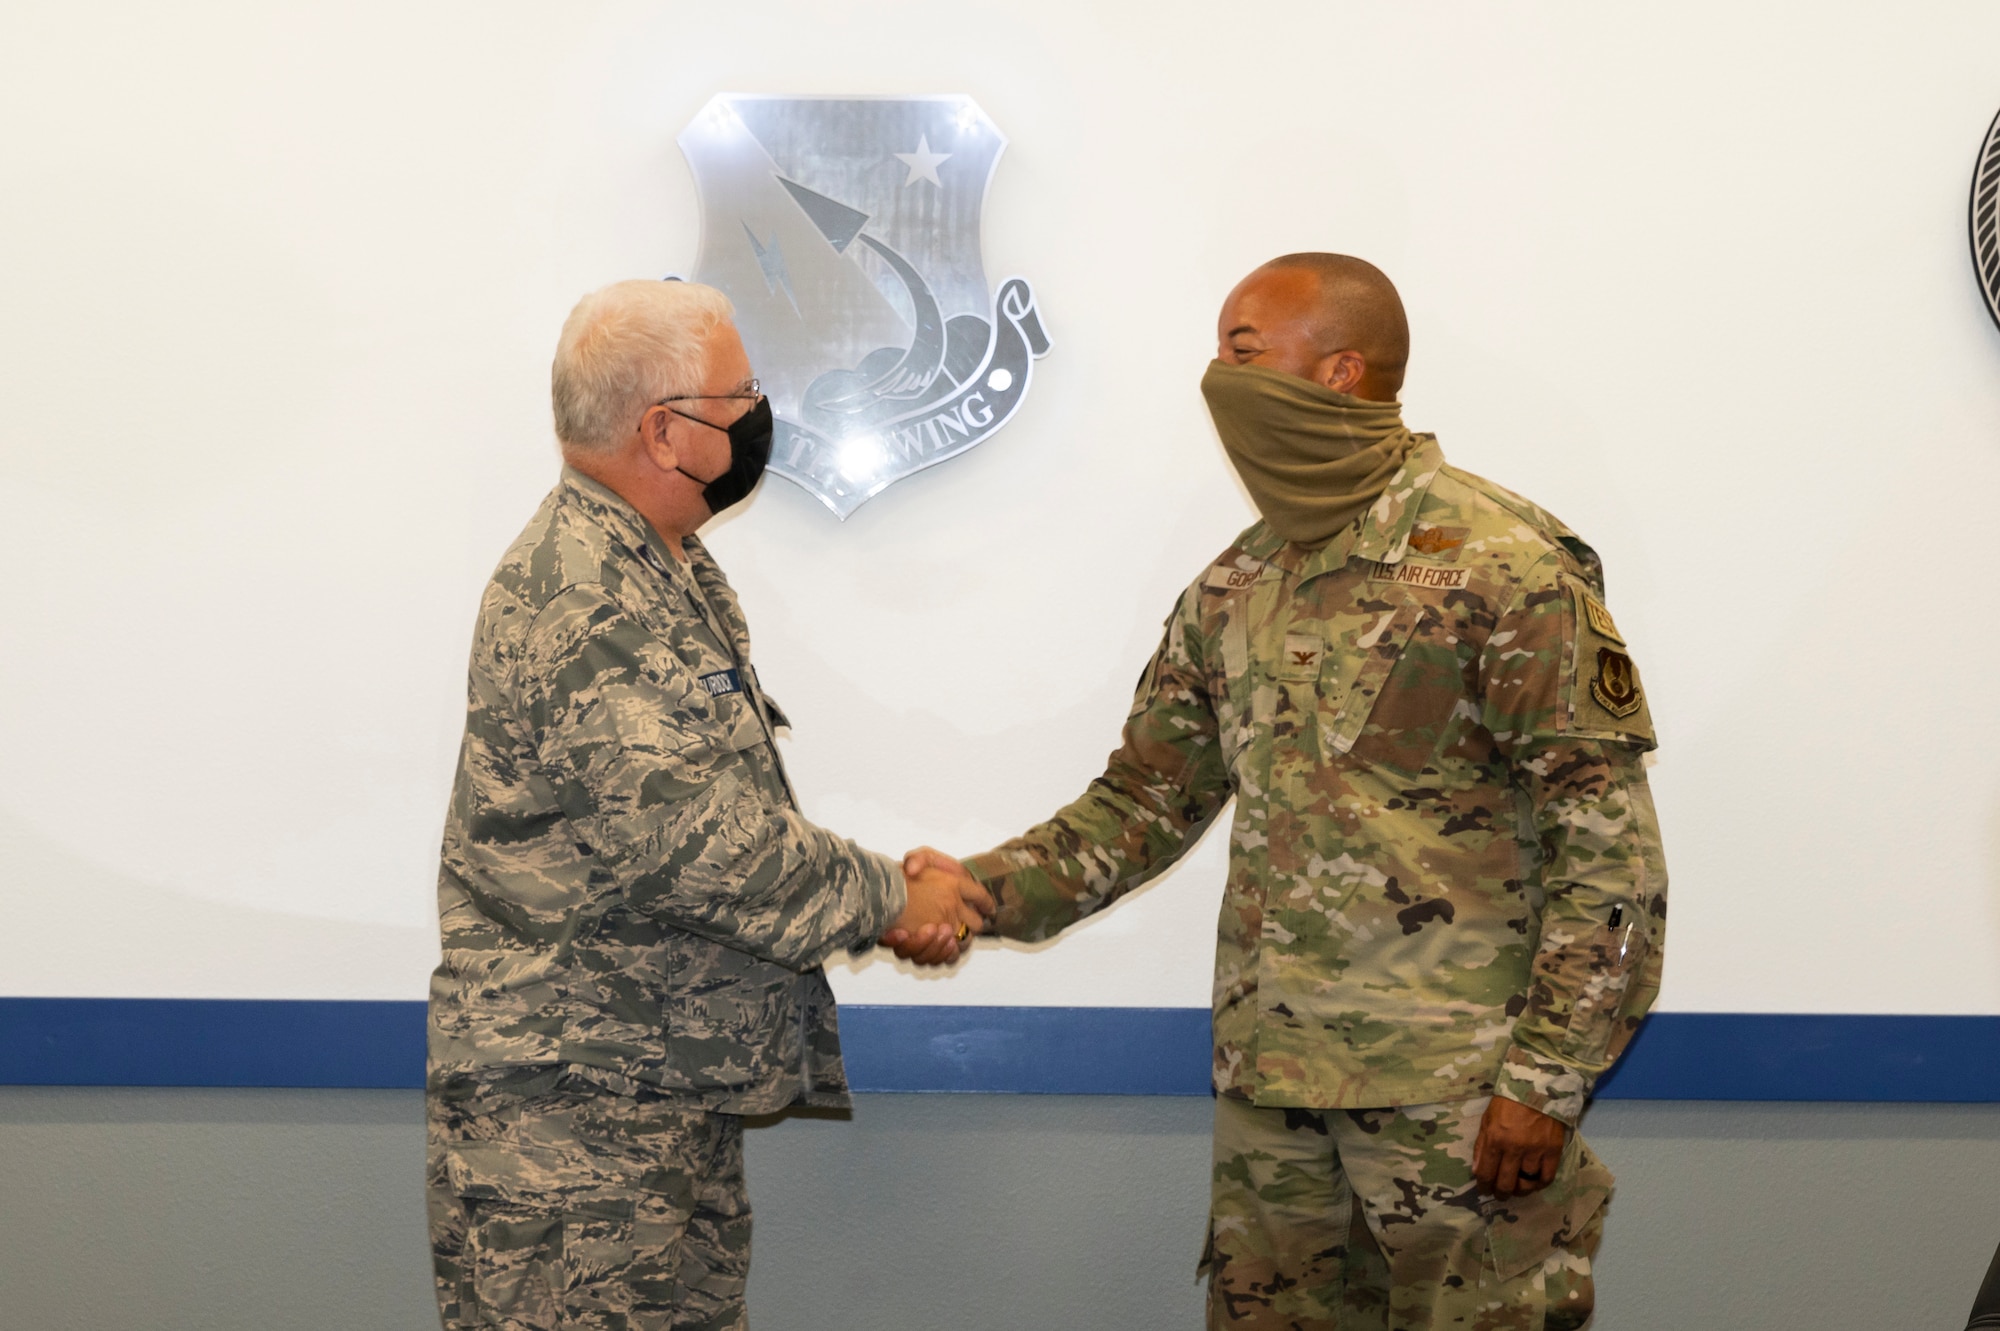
(281, 283)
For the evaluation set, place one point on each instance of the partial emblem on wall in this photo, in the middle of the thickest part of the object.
(846, 232)
(1985, 226)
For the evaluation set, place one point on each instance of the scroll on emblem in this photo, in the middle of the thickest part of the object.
(845, 230)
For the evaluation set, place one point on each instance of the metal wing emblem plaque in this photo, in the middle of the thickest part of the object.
(1985, 229)
(846, 232)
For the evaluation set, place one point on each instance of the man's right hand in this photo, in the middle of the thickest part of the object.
(946, 907)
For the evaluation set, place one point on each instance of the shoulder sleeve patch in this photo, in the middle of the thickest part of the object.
(1616, 687)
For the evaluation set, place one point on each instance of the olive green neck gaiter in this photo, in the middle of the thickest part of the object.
(1313, 459)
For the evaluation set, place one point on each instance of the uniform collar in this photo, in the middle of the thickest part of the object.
(628, 527)
(1381, 533)
(1386, 526)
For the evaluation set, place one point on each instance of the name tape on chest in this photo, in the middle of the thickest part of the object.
(1420, 575)
(722, 681)
(1223, 578)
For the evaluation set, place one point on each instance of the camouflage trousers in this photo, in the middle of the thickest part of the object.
(1370, 1220)
(583, 1210)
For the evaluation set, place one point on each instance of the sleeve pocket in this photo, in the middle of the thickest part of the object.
(1606, 699)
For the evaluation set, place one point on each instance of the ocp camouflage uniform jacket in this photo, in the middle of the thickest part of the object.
(628, 890)
(1445, 871)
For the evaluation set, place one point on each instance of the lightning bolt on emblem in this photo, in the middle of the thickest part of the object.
(772, 260)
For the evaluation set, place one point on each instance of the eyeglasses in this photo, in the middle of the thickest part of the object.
(756, 391)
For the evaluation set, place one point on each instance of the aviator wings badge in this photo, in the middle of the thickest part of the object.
(846, 233)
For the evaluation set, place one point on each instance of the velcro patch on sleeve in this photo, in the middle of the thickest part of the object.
(1412, 574)
(1607, 697)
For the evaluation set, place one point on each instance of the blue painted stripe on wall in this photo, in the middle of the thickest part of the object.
(209, 1042)
(1000, 1050)
(1805, 1056)
(1031, 1050)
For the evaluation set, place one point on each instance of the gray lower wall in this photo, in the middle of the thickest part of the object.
(302, 1211)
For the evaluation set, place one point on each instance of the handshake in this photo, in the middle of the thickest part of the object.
(947, 906)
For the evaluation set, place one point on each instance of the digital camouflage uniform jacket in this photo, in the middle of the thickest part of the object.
(628, 890)
(1445, 872)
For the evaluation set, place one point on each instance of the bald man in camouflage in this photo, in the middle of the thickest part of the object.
(1446, 898)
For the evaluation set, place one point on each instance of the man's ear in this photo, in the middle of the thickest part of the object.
(653, 437)
(1342, 371)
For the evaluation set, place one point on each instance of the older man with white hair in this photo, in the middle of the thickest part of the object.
(633, 910)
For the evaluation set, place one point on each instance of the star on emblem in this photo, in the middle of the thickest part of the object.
(923, 163)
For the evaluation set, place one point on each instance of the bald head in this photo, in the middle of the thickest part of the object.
(1330, 318)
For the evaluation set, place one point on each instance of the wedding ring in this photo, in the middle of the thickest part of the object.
(963, 933)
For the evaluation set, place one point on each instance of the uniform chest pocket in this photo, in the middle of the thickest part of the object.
(1241, 708)
(1355, 671)
(739, 719)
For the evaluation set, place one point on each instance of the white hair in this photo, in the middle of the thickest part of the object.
(623, 348)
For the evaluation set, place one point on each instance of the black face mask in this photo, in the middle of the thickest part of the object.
(749, 453)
